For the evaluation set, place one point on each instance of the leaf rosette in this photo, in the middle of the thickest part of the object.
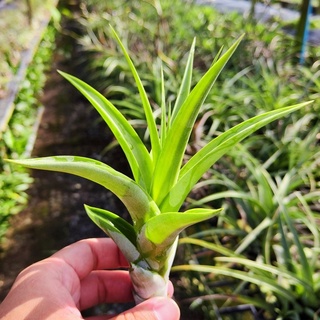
(157, 191)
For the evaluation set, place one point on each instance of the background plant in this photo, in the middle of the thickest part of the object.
(16, 37)
(280, 244)
(264, 65)
(271, 220)
(16, 141)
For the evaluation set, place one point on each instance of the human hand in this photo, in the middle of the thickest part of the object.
(74, 279)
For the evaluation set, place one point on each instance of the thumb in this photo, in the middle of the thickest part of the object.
(152, 309)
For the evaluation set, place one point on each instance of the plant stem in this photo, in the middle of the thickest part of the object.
(152, 281)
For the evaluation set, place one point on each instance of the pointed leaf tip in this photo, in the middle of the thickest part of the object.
(118, 229)
(107, 220)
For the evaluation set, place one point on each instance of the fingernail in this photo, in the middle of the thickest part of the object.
(166, 309)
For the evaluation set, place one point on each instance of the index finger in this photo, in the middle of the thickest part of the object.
(92, 254)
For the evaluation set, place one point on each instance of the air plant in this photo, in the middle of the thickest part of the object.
(160, 183)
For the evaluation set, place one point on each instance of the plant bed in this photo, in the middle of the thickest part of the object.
(25, 53)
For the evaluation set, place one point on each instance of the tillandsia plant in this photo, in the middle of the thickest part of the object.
(160, 182)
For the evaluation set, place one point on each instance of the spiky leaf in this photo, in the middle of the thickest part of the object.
(214, 150)
(154, 137)
(177, 138)
(134, 149)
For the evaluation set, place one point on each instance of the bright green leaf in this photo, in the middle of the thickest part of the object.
(154, 137)
(136, 152)
(185, 84)
(214, 150)
(137, 201)
(168, 165)
(163, 126)
(165, 227)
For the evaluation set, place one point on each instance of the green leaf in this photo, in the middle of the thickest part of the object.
(286, 257)
(306, 269)
(154, 137)
(209, 245)
(163, 127)
(134, 149)
(273, 271)
(168, 165)
(254, 234)
(214, 150)
(164, 228)
(107, 220)
(116, 228)
(227, 194)
(184, 89)
(136, 200)
(260, 281)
